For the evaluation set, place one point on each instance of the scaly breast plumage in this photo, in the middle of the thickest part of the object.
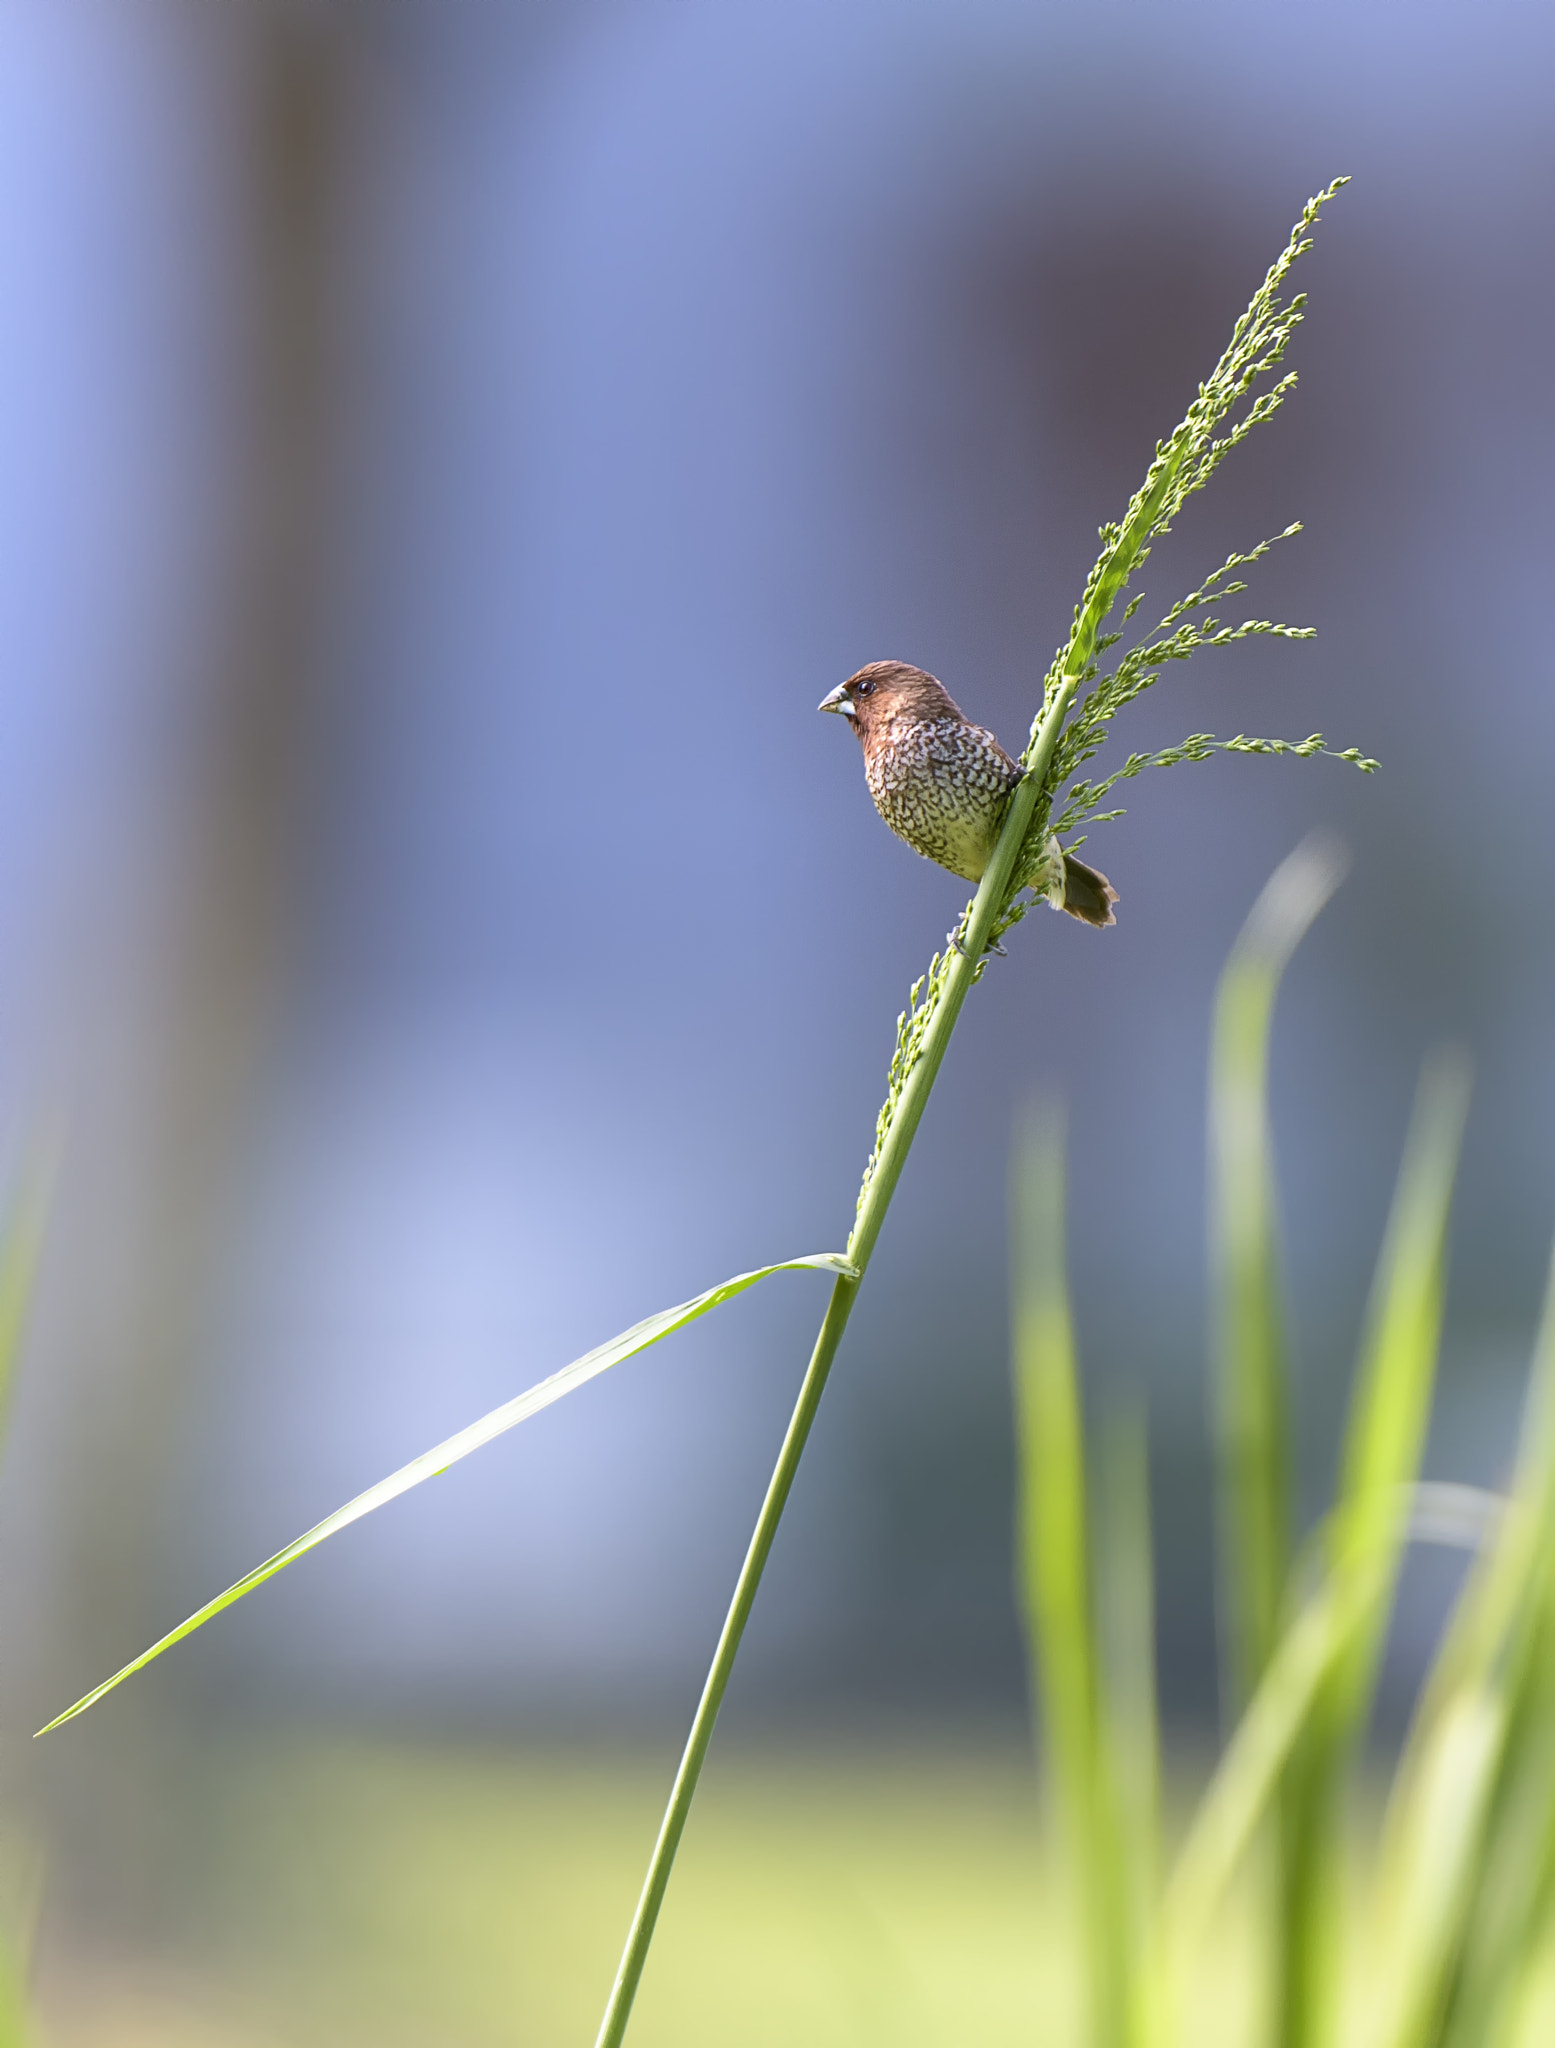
(942, 787)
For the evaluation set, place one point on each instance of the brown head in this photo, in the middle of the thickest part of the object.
(886, 690)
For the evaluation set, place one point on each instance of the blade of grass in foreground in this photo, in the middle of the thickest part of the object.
(1384, 1439)
(1248, 1776)
(1125, 1608)
(1472, 1805)
(452, 1449)
(19, 1254)
(1054, 1575)
(1307, 1712)
(23, 1893)
(1251, 1396)
(1243, 1785)
(1250, 1393)
(1511, 1920)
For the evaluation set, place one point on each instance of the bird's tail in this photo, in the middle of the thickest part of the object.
(1088, 895)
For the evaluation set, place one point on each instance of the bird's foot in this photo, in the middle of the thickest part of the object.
(993, 946)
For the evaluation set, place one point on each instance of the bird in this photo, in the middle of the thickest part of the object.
(941, 782)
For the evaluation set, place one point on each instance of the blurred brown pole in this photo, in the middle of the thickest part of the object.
(113, 1789)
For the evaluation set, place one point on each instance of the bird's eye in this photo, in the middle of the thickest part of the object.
(863, 689)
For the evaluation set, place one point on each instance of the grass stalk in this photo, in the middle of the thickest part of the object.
(976, 930)
(1246, 387)
(1182, 465)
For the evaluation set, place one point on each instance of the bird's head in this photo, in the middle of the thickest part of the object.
(886, 690)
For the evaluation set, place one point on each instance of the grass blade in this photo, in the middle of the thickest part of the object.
(1248, 1775)
(1250, 1397)
(19, 1255)
(1512, 1894)
(452, 1449)
(1054, 1576)
(1250, 1394)
(1384, 1440)
(1496, 1600)
(1435, 1854)
(1467, 1840)
(1126, 1628)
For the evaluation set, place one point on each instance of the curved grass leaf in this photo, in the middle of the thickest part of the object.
(453, 1448)
(1251, 1398)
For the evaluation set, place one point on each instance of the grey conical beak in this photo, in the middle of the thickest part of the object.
(838, 700)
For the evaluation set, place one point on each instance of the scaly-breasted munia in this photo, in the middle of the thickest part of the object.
(942, 783)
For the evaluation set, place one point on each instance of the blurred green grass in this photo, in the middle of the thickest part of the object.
(855, 1899)
(858, 1893)
(394, 1894)
(873, 1892)
(910, 1891)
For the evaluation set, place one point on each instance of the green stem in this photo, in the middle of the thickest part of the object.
(986, 905)
(1190, 449)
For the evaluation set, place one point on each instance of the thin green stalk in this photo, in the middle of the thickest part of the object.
(976, 930)
(645, 1919)
(1216, 422)
(1182, 465)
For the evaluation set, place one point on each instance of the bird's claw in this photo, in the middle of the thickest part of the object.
(993, 946)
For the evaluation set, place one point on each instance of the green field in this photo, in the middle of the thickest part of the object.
(396, 1895)
(387, 1895)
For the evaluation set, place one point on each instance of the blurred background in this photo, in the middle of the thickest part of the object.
(451, 448)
